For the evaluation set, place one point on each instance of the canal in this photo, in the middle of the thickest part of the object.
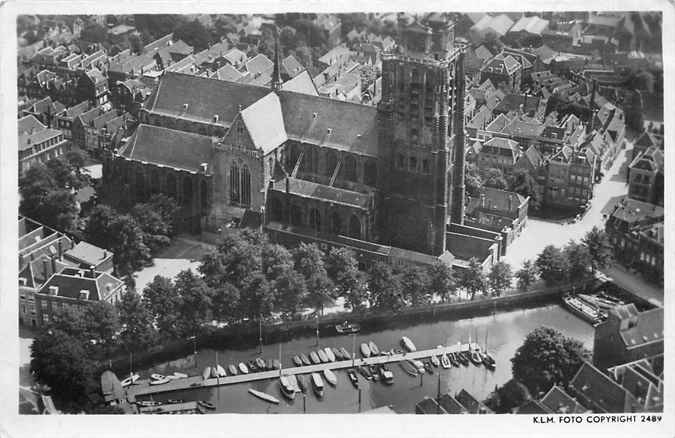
(505, 333)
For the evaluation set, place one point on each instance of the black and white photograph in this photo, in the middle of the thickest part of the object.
(404, 211)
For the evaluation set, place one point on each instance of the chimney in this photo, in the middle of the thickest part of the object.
(216, 118)
(91, 272)
(53, 290)
(204, 167)
(510, 202)
(458, 190)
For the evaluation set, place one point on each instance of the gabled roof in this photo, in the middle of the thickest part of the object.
(78, 109)
(533, 25)
(598, 388)
(32, 132)
(533, 155)
(558, 401)
(265, 123)
(483, 53)
(533, 406)
(259, 64)
(650, 159)
(309, 189)
(646, 139)
(649, 328)
(169, 147)
(451, 405)
(88, 254)
(227, 73)
(502, 63)
(633, 211)
(291, 66)
(301, 83)
(235, 56)
(473, 405)
(71, 281)
(524, 128)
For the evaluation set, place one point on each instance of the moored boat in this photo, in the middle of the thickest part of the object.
(419, 366)
(159, 381)
(305, 360)
(269, 364)
(386, 375)
(374, 371)
(260, 363)
(347, 328)
(180, 375)
(286, 388)
(206, 373)
(297, 361)
(445, 362)
(317, 384)
(462, 358)
(322, 356)
(157, 376)
(365, 350)
(365, 372)
(338, 354)
(345, 353)
(276, 364)
(353, 378)
(206, 404)
(315, 357)
(329, 354)
(293, 381)
(453, 359)
(474, 356)
(147, 403)
(409, 368)
(264, 396)
(373, 348)
(582, 309)
(408, 344)
(302, 385)
(131, 380)
(220, 371)
(330, 376)
(428, 367)
(173, 401)
(232, 369)
(243, 368)
(252, 366)
(488, 360)
(434, 361)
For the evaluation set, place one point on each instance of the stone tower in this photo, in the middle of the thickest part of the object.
(416, 112)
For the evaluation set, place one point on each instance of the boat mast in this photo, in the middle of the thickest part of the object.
(260, 333)
(353, 349)
(280, 364)
(317, 329)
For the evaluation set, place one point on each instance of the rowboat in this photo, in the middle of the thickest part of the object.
(462, 358)
(252, 366)
(301, 382)
(408, 344)
(206, 373)
(330, 376)
(243, 368)
(206, 404)
(428, 367)
(286, 388)
(269, 364)
(408, 368)
(434, 361)
(317, 384)
(337, 353)
(157, 376)
(345, 353)
(220, 371)
(365, 372)
(293, 381)
(419, 366)
(387, 375)
(353, 378)
(276, 364)
(264, 396)
(297, 361)
(488, 360)
(232, 369)
(130, 380)
(180, 375)
(322, 356)
(305, 359)
(347, 328)
(172, 401)
(373, 348)
(147, 403)
(375, 371)
(445, 362)
(329, 354)
(159, 381)
(453, 359)
(475, 357)
(260, 363)
(315, 357)
(365, 350)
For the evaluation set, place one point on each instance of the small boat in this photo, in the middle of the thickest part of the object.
(386, 375)
(488, 360)
(315, 357)
(462, 358)
(220, 371)
(374, 371)
(301, 383)
(243, 368)
(286, 388)
(347, 328)
(373, 348)
(206, 404)
(317, 384)
(408, 368)
(330, 376)
(365, 372)
(180, 375)
(322, 356)
(365, 350)
(353, 378)
(293, 381)
(345, 353)
(130, 380)
(398, 351)
(428, 367)
(434, 361)
(269, 364)
(408, 344)
(159, 381)
(232, 369)
(445, 362)
(252, 366)
(172, 401)
(453, 359)
(147, 403)
(419, 366)
(214, 372)
(338, 354)
(329, 354)
(582, 309)
(276, 364)
(297, 361)
(157, 376)
(260, 363)
(206, 373)
(305, 359)
(264, 396)
(475, 357)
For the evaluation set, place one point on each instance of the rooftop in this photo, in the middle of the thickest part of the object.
(88, 254)
(323, 192)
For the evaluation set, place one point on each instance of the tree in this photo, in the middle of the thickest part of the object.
(441, 280)
(472, 180)
(357, 293)
(226, 302)
(161, 298)
(290, 291)
(156, 230)
(526, 275)
(135, 44)
(193, 33)
(194, 302)
(508, 397)
(547, 358)
(415, 285)
(58, 209)
(46, 200)
(384, 288)
(500, 277)
(495, 178)
(599, 248)
(102, 324)
(257, 297)
(472, 278)
(552, 265)
(578, 260)
(136, 319)
(522, 182)
(309, 262)
(341, 267)
(94, 33)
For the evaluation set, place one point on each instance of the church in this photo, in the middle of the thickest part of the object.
(385, 181)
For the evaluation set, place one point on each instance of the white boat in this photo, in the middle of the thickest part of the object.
(330, 376)
(434, 361)
(206, 373)
(243, 368)
(419, 366)
(157, 376)
(365, 350)
(286, 388)
(159, 381)
(373, 348)
(293, 381)
(180, 375)
(408, 344)
(445, 362)
(221, 371)
(329, 354)
(317, 384)
(130, 380)
(264, 396)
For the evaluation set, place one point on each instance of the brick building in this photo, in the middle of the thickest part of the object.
(500, 211)
(38, 144)
(646, 176)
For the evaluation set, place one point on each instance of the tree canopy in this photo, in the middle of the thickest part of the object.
(552, 265)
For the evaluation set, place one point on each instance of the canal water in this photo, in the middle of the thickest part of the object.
(505, 333)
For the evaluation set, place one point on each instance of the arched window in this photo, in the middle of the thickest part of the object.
(315, 219)
(354, 227)
(335, 223)
(154, 181)
(235, 197)
(370, 173)
(296, 215)
(204, 194)
(331, 162)
(187, 190)
(171, 186)
(350, 168)
(276, 212)
(245, 186)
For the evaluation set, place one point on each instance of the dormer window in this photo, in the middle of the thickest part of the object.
(53, 290)
(84, 295)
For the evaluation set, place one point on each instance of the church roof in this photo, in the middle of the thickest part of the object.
(265, 123)
(309, 189)
(169, 147)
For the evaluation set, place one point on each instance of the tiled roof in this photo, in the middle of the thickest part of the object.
(646, 139)
(534, 25)
(497, 199)
(301, 83)
(429, 406)
(235, 56)
(291, 66)
(133, 64)
(78, 109)
(265, 123)
(649, 328)
(451, 405)
(88, 254)
(500, 24)
(524, 128)
(513, 102)
(214, 51)
(503, 143)
(600, 390)
(71, 281)
(471, 403)
(558, 401)
(632, 211)
(534, 156)
(313, 190)
(168, 147)
(259, 64)
(533, 407)
(650, 159)
(227, 73)
(483, 53)
(32, 132)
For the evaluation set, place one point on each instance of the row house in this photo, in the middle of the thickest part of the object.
(64, 119)
(45, 110)
(504, 71)
(499, 153)
(646, 176)
(96, 129)
(38, 143)
(645, 141)
(570, 179)
(498, 210)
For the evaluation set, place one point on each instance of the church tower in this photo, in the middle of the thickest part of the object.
(416, 111)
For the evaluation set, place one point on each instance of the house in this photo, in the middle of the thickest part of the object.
(646, 176)
(499, 153)
(558, 401)
(644, 142)
(85, 255)
(533, 407)
(290, 68)
(64, 120)
(45, 110)
(600, 393)
(347, 87)
(471, 404)
(520, 104)
(500, 211)
(490, 27)
(503, 71)
(331, 26)
(450, 405)
(570, 179)
(429, 406)
(644, 380)
(38, 144)
(527, 31)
